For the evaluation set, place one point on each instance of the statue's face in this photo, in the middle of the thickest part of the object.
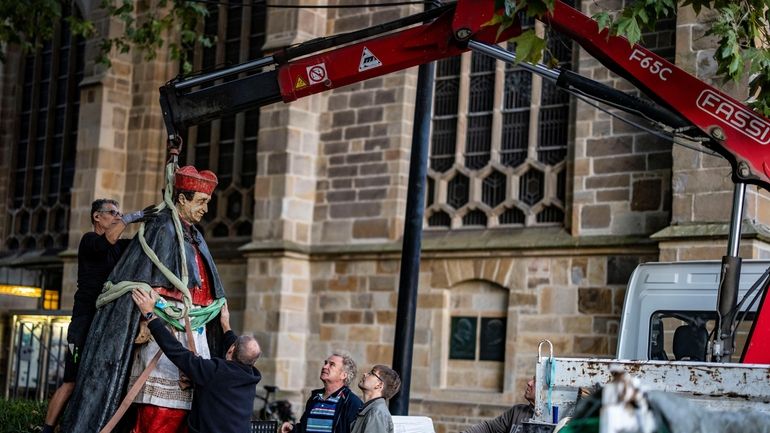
(193, 210)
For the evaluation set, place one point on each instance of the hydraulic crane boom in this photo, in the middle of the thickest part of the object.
(736, 132)
(694, 108)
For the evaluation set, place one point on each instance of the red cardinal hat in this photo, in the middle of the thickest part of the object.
(188, 178)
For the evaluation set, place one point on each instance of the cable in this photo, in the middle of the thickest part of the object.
(751, 290)
(672, 138)
(762, 281)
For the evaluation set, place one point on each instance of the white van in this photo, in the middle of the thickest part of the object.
(678, 301)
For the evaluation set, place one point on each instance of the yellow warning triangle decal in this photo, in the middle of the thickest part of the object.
(300, 83)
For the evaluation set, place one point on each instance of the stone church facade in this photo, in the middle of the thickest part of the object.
(539, 206)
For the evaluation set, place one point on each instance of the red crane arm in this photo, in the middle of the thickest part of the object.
(737, 133)
(383, 55)
(731, 128)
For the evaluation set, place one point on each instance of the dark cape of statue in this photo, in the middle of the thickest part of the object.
(107, 358)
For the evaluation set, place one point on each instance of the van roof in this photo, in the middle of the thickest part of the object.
(673, 286)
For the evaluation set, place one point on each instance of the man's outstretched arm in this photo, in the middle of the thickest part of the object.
(501, 424)
(196, 368)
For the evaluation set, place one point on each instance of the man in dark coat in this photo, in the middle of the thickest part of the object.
(511, 420)
(224, 388)
(109, 353)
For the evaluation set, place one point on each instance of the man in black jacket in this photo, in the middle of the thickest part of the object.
(98, 252)
(224, 393)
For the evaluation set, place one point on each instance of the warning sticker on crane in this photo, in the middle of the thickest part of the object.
(368, 61)
(316, 73)
(300, 83)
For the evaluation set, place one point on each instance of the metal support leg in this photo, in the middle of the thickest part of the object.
(722, 348)
(736, 220)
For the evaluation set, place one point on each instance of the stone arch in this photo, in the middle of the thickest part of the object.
(474, 336)
(503, 272)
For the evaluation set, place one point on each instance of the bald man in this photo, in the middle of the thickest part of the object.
(223, 399)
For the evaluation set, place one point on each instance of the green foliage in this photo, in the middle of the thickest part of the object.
(147, 26)
(21, 416)
(742, 29)
(150, 29)
(34, 17)
(529, 46)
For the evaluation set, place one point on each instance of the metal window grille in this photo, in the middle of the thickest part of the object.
(228, 146)
(439, 219)
(516, 110)
(43, 161)
(499, 143)
(531, 187)
(512, 216)
(457, 191)
(444, 136)
(475, 218)
(550, 214)
(36, 361)
(493, 189)
(554, 111)
(480, 108)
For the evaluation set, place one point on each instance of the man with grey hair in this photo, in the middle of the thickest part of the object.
(98, 252)
(224, 388)
(333, 408)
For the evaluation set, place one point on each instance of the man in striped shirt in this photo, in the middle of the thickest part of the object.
(333, 408)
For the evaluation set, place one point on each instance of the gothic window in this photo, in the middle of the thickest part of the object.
(43, 162)
(228, 146)
(444, 134)
(498, 143)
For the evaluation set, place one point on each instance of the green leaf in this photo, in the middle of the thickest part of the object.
(603, 19)
(495, 20)
(529, 47)
(628, 27)
(642, 14)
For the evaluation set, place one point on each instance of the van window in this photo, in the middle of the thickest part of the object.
(684, 335)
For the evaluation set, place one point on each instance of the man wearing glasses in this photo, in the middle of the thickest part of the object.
(378, 386)
(98, 252)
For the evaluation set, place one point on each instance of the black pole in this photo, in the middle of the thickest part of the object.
(403, 343)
